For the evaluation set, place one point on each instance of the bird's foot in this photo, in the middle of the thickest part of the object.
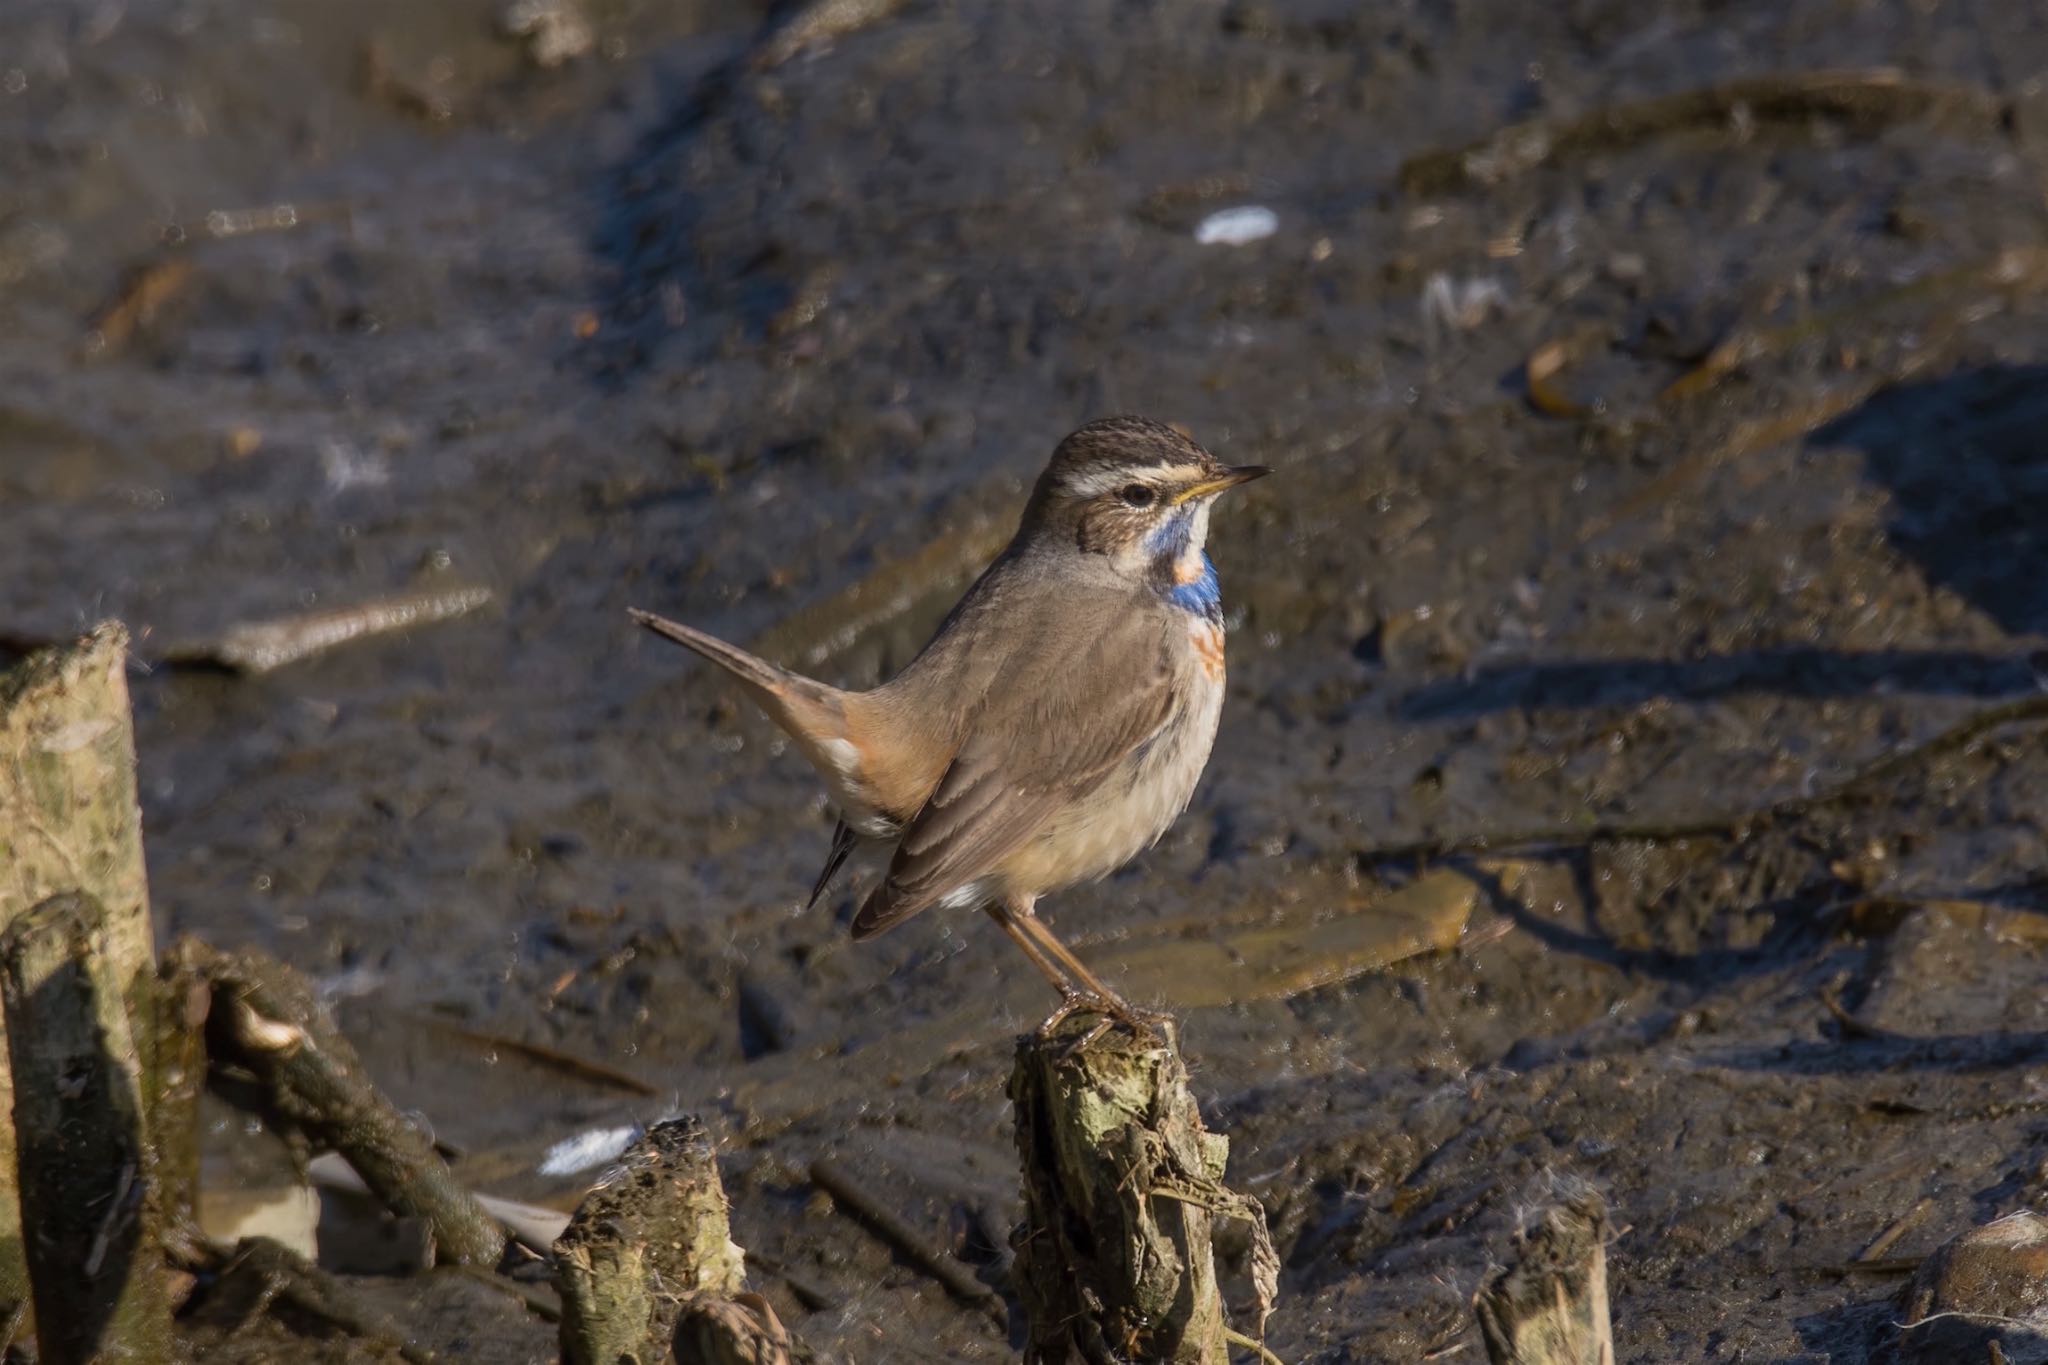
(1071, 1002)
(1145, 1025)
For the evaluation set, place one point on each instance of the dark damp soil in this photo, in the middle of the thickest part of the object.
(675, 326)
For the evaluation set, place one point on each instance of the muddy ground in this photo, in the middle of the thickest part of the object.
(773, 340)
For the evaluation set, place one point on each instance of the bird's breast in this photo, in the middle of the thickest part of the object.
(1205, 638)
(1132, 807)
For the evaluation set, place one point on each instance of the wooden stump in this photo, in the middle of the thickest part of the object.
(1550, 1307)
(88, 1179)
(651, 1238)
(1981, 1297)
(741, 1330)
(1122, 1184)
(69, 823)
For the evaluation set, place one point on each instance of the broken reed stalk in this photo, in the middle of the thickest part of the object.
(1122, 1187)
(1550, 1307)
(645, 1242)
(829, 1176)
(88, 1178)
(267, 1021)
(69, 823)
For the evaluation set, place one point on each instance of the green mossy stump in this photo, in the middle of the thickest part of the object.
(1550, 1307)
(1122, 1187)
(649, 1240)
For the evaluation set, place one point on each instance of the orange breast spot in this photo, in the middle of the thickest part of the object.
(1207, 637)
(1189, 569)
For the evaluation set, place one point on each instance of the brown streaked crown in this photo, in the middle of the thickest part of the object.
(1088, 462)
(1110, 481)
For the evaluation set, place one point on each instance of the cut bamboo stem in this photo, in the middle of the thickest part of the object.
(1550, 1307)
(644, 1242)
(88, 1180)
(1122, 1187)
(69, 823)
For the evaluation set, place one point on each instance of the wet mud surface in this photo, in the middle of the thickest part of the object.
(775, 347)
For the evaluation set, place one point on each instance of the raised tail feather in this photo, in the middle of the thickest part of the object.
(742, 665)
(813, 714)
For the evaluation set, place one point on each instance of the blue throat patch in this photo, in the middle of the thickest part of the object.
(1168, 542)
(1204, 596)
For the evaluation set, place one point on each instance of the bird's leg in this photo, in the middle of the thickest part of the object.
(1048, 944)
(1071, 996)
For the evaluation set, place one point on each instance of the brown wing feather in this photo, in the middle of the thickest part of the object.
(970, 825)
(1035, 749)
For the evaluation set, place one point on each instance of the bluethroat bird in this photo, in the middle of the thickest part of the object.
(1057, 723)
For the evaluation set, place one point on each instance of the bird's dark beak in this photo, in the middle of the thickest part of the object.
(1229, 478)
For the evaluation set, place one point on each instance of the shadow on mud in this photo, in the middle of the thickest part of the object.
(650, 220)
(1797, 925)
(1947, 1053)
(1968, 472)
(1857, 1331)
(1802, 671)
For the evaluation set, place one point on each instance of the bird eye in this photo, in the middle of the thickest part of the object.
(1137, 495)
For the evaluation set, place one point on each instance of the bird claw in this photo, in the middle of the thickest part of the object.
(1070, 1001)
(1145, 1025)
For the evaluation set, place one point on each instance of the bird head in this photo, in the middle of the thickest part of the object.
(1135, 491)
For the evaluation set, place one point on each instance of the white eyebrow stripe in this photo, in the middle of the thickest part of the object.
(1100, 481)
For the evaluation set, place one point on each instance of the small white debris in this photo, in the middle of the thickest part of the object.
(346, 467)
(586, 1150)
(555, 30)
(1237, 227)
(351, 983)
(1450, 305)
(242, 222)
